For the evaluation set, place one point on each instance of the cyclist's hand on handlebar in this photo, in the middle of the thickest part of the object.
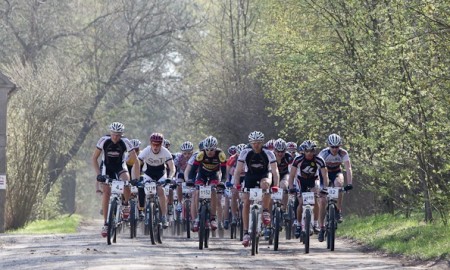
(348, 187)
(274, 189)
(101, 178)
(134, 182)
(324, 191)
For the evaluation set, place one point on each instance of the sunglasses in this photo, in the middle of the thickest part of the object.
(334, 147)
(210, 149)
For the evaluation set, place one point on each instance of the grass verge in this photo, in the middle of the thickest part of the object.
(399, 235)
(62, 224)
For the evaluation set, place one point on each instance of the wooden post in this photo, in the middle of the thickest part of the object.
(6, 86)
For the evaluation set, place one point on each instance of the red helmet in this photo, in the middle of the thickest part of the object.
(157, 138)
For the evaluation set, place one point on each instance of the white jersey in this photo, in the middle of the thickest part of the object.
(192, 159)
(334, 162)
(154, 164)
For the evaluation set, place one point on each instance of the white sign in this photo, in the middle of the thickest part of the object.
(255, 194)
(150, 188)
(308, 198)
(2, 181)
(117, 187)
(205, 192)
(333, 193)
(278, 195)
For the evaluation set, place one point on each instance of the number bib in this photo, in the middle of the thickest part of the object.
(278, 195)
(308, 198)
(150, 188)
(185, 189)
(117, 187)
(333, 193)
(255, 194)
(134, 189)
(205, 192)
(166, 190)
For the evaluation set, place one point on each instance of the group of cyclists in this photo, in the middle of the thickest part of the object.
(257, 164)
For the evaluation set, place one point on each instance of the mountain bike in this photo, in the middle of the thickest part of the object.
(204, 212)
(331, 221)
(309, 199)
(134, 212)
(255, 224)
(187, 189)
(276, 217)
(114, 216)
(290, 216)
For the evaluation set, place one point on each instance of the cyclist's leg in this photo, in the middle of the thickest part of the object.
(215, 208)
(284, 185)
(339, 182)
(266, 203)
(162, 197)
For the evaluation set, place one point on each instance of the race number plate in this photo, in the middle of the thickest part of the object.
(134, 189)
(333, 193)
(278, 195)
(308, 198)
(185, 189)
(205, 192)
(166, 190)
(150, 188)
(117, 187)
(255, 194)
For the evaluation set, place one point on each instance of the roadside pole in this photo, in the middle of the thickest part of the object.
(6, 86)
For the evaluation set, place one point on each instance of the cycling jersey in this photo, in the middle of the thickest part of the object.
(154, 164)
(283, 165)
(334, 162)
(258, 165)
(113, 155)
(181, 162)
(208, 167)
(307, 171)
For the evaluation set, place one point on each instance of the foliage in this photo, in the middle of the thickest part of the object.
(61, 224)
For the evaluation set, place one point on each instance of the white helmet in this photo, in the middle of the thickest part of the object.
(291, 146)
(210, 142)
(280, 145)
(187, 146)
(241, 147)
(256, 136)
(117, 127)
(309, 145)
(136, 143)
(166, 143)
(334, 140)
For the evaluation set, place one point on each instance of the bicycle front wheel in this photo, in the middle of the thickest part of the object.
(331, 226)
(133, 219)
(307, 229)
(111, 222)
(202, 227)
(254, 235)
(277, 224)
(149, 220)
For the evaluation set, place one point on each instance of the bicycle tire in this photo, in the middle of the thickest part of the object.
(150, 222)
(254, 223)
(277, 224)
(332, 226)
(178, 223)
(241, 223)
(157, 222)
(307, 229)
(133, 219)
(202, 227)
(111, 222)
(187, 218)
(289, 222)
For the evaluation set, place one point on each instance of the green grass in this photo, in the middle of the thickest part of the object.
(62, 224)
(399, 235)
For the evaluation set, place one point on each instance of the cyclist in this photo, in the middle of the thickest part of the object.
(190, 162)
(270, 144)
(130, 162)
(209, 162)
(155, 158)
(334, 156)
(304, 170)
(181, 162)
(113, 148)
(259, 161)
(284, 161)
(291, 148)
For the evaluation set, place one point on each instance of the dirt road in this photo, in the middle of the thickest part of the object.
(87, 250)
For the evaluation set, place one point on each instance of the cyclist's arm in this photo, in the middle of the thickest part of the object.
(237, 173)
(348, 169)
(171, 168)
(193, 170)
(135, 171)
(324, 172)
(187, 171)
(292, 174)
(95, 156)
(275, 174)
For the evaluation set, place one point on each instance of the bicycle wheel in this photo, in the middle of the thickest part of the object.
(202, 226)
(277, 224)
(187, 217)
(133, 219)
(157, 225)
(111, 222)
(307, 229)
(149, 219)
(254, 224)
(289, 222)
(332, 226)
(241, 224)
(178, 223)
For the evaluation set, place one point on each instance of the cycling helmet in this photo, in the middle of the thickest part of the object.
(210, 142)
(136, 143)
(166, 143)
(157, 138)
(187, 146)
(291, 146)
(232, 150)
(117, 127)
(201, 145)
(241, 147)
(334, 140)
(308, 145)
(270, 144)
(256, 136)
(280, 145)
